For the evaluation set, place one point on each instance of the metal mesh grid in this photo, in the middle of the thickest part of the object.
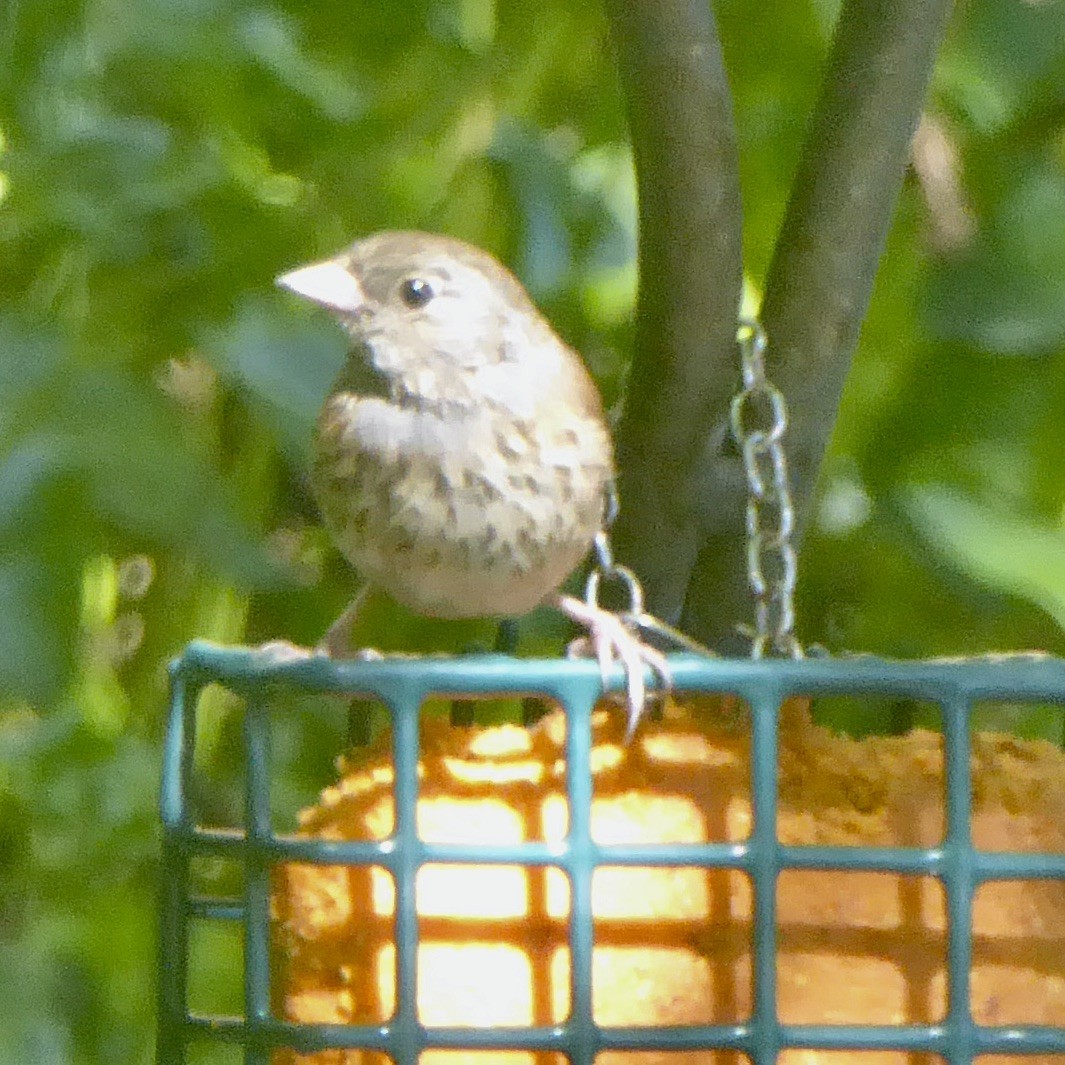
(404, 685)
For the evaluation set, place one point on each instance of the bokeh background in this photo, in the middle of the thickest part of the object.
(162, 160)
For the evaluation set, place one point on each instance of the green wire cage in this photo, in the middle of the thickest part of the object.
(404, 685)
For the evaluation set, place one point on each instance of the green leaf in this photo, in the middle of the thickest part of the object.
(35, 647)
(1006, 552)
(286, 356)
(1007, 293)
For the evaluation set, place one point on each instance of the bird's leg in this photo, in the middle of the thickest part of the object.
(282, 651)
(610, 639)
(336, 643)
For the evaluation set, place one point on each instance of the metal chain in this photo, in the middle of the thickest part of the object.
(759, 418)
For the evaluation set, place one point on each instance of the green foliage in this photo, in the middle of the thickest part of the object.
(161, 162)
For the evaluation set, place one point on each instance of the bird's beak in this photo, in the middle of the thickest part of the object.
(328, 283)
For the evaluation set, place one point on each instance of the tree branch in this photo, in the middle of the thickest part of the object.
(822, 273)
(680, 119)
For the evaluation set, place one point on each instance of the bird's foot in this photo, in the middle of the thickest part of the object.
(284, 651)
(611, 640)
(281, 652)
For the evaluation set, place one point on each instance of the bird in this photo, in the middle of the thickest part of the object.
(462, 461)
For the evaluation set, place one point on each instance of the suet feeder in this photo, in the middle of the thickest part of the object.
(735, 882)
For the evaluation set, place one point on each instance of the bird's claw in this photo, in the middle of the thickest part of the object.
(282, 652)
(611, 640)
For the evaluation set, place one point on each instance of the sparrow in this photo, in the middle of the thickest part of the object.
(462, 460)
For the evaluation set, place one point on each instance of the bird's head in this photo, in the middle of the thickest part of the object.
(424, 302)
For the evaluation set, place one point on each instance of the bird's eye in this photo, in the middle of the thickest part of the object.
(416, 292)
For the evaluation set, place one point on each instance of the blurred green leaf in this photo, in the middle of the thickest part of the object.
(34, 658)
(1002, 550)
(1007, 294)
(286, 357)
(272, 40)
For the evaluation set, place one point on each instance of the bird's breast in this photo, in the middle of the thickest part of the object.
(464, 513)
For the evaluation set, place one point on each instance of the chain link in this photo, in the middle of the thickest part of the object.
(605, 570)
(759, 418)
